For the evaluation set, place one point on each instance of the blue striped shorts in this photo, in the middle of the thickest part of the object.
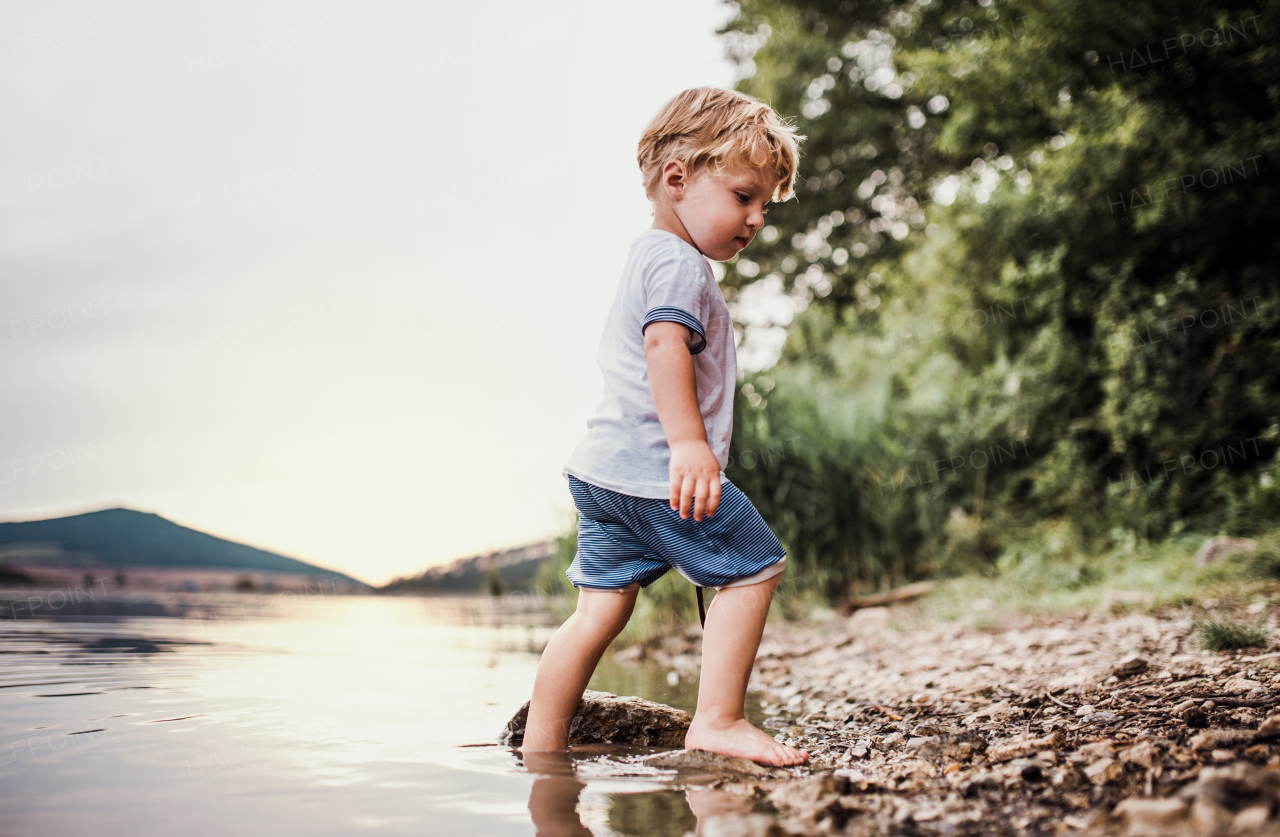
(626, 542)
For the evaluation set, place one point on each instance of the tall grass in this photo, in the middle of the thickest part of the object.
(1228, 634)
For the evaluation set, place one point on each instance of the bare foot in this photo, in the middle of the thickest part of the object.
(740, 738)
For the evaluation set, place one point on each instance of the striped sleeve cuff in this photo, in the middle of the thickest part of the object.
(671, 314)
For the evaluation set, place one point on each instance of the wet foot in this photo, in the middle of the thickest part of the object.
(739, 738)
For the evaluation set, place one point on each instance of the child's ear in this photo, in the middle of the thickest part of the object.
(673, 179)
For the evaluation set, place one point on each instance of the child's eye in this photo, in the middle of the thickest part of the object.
(743, 197)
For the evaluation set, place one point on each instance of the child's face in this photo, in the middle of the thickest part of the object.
(722, 211)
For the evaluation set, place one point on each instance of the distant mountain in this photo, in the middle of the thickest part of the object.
(515, 568)
(127, 538)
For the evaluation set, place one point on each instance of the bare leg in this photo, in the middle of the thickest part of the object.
(735, 623)
(568, 662)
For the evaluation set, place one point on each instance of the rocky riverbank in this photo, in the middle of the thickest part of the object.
(1117, 725)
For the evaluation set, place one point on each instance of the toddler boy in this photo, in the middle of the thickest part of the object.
(648, 477)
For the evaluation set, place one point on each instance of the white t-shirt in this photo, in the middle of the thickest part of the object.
(625, 449)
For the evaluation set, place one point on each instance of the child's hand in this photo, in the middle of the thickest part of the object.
(695, 479)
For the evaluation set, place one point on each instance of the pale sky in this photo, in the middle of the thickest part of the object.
(326, 278)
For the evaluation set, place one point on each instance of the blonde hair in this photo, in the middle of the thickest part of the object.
(710, 128)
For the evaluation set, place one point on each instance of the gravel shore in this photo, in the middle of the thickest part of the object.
(1116, 725)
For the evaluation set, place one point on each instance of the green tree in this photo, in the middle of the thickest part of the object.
(1031, 256)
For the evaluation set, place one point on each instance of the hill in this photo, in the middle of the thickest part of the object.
(515, 569)
(133, 539)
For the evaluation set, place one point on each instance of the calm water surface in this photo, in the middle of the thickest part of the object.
(154, 714)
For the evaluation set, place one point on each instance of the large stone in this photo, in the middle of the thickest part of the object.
(605, 718)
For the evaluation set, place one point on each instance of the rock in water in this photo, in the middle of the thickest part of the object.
(605, 718)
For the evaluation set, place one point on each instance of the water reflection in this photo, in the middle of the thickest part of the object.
(553, 799)
(709, 802)
(560, 801)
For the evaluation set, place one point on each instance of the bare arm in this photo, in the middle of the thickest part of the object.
(695, 471)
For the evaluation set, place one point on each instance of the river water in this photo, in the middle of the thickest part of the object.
(206, 714)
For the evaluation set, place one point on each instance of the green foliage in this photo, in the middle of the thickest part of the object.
(556, 591)
(1033, 274)
(493, 583)
(1226, 634)
(1265, 564)
(1046, 571)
